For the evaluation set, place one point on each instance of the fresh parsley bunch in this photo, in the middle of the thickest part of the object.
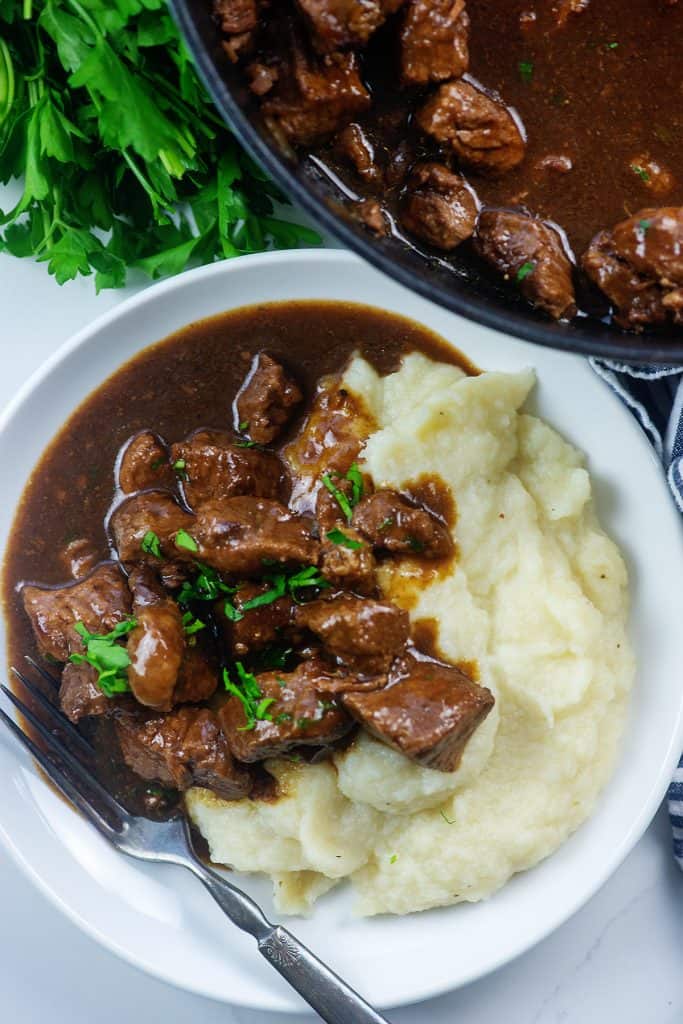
(124, 160)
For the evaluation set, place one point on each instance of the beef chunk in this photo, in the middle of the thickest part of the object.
(258, 626)
(363, 634)
(266, 401)
(213, 466)
(155, 511)
(328, 442)
(198, 677)
(480, 130)
(144, 463)
(156, 645)
(393, 523)
(434, 40)
(439, 207)
(353, 145)
(80, 696)
(530, 253)
(428, 714)
(238, 20)
(242, 535)
(339, 23)
(639, 267)
(185, 748)
(299, 715)
(315, 96)
(348, 568)
(79, 557)
(99, 601)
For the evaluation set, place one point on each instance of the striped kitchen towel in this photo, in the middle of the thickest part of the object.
(654, 394)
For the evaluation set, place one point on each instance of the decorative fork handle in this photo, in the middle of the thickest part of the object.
(334, 1000)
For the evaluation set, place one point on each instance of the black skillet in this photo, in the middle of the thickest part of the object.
(465, 290)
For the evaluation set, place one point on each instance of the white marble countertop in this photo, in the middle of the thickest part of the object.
(618, 959)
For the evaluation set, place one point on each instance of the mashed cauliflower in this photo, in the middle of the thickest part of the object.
(537, 598)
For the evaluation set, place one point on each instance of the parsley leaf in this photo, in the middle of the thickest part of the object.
(185, 540)
(151, 544)
(524, 271)
(337, 537)
(249, 694)
(526, 70)
(207, 586)
(107, 656)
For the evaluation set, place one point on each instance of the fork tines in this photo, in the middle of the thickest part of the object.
(57, 759)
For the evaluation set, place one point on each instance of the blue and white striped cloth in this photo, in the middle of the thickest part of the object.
(654, 394)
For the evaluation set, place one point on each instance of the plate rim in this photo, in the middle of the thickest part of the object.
(642, 817)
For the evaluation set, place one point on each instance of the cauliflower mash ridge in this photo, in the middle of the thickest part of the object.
(537, 597)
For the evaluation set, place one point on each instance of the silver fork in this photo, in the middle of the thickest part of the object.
(63, 760)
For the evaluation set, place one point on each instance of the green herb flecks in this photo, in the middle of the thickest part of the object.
(337, 537)
(526, 70)
(645, 225)
(107, 656)
(192, 625)
(180, 469)
(393, 858)
(151, 544)
(124, 161)
(248, 692)
(346, 503)
(524, 271)
(642, 173)
(186, 541)
(207, 586)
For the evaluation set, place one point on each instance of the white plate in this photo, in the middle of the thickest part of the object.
(160, 919)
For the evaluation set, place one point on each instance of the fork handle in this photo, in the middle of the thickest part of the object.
(324, 991)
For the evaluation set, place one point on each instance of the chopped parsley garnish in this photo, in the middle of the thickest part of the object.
(244, 425)
(186, 541)
(107, 656)
(151, 544)
(231, 612)
(158, 463)
(611, 46)
(526, 70)
(346, 503)
(327, 705)
(446, 818)
(303, 723)
(284, 716)
(207, 586)
(645, 225)
(246, 444)
(415, 545)
(524, 271)
(278, 590)
(641, 172)
(393, 858)
(249, 693)
(386, 523)
(337, 537)
(180, 468)
(191, 625)
(273, 656)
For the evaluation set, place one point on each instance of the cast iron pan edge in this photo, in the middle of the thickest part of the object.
(468, 294)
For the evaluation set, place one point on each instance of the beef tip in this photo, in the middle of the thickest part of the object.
(172, 574)
(329, 442)
(363, 634)
(213, 466)
(156, 645)
(428, 714)
(144, 463)
(148, 512)
(656, 178)
(315, 96)
(238, 20)
(529, 252)
(393, 523)
(371, 213)
(434, 41)
(80, 696)
(353, 145)
(639, 267)
(299, 716)
(262, 77)
(197, 678)
(339, 23)
(266, 401)
(79, 557)
(99, 601)
(182, 749)
(439, 207)
(254, 629)
(349, 568)
(242, 535)
(480, 130)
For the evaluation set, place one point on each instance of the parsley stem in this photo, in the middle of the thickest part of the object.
(6, 82)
